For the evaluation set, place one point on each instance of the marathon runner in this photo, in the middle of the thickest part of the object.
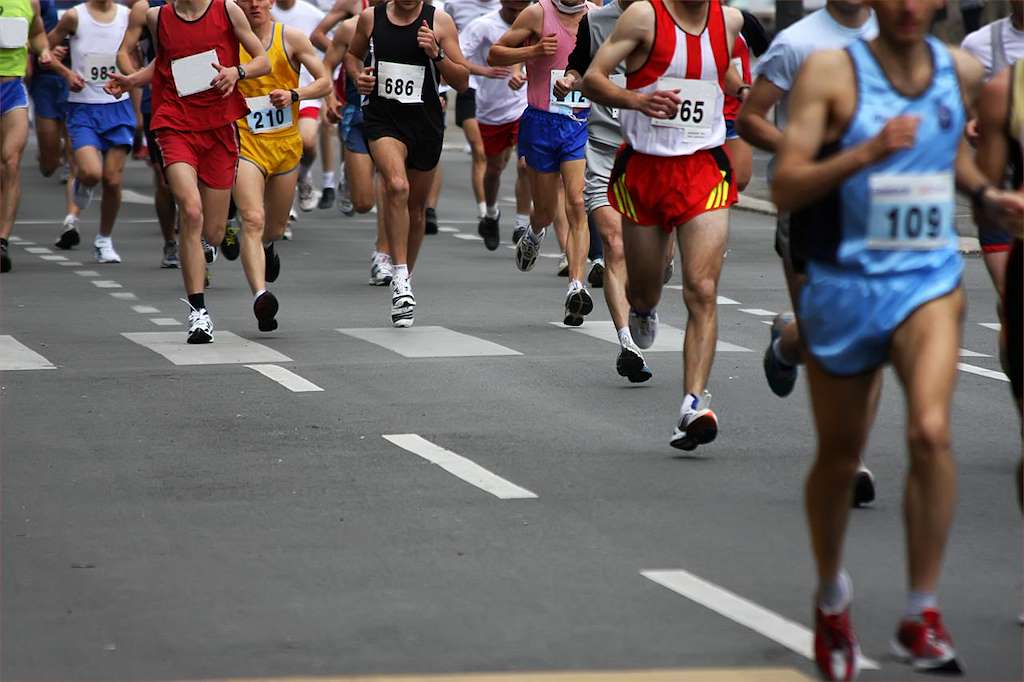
(868, 164)
(101, 129)
(414, 46)
(195, 106)
(270, 148)
(673, 176)
(552, 137)
(21, 30)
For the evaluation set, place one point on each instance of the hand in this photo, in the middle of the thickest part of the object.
(427, 41)
(517, 81)
(225, 79)
(76, 83)
(661, 103)
(499, 72)
(281, 98)
(45, 58)
(1003, 209)
(547, 46)
(366, 81)
(898, 134)
(59, 53)
(971, 131)
(332, 109)
(563, 86)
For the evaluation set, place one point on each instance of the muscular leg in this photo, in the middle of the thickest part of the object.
(995, 263)
(389, 154)
(493, 167)
(577, 241)
(113, 170)
(248, 194)
(609, 226)
(436, 182)
(476, 144)
(278, 204)
(216, 203)
(420, 186)
(184, 186)
(360, 175)
(88, 166)
(702, 243)
(50, 137)
(561, 219)
(309, 131)
(14, 129)
(326, 146)
(545, 189)
(524, 195)
(383, 246)
(644, 249)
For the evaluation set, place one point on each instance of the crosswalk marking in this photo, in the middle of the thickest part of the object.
(54, 258)
(227, 349)
(124, 296)
(759, 312)
(105, 284)
(445, 228)
(87, 273)
(70, 264)
(468, 237)
(165, 321)
(669, 339)
(145, 309)
(981, 371)
(17, 356)
(965, 353)
(991, 325)
(38, 249)
(287, 378)
(428, 342)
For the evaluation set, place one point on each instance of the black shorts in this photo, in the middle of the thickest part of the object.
(155, 157)
(1013, 301)
(465, 106)
(423, 141)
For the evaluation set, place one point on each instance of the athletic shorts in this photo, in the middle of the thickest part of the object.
(309, 108)
(669, 191)
(1013, 302)
(730, 130)
(49, 94)
(212, 153)
(847, 319)
(600, 161)
(547, 140)
(103, 126)
(352, 129)
(465, 106)
(994, 240)
(498, 138)
(13, 96)
(273, 155)
(155, 158)
(423, 143)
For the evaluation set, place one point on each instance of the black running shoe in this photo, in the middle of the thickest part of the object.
(431, 221)
(230, 246)
(5, 258)
(69, 237)
(273, 263)
(596, 275)
(326, 199)
(265, 308)
(488, 229)
(209, 251)
(863, 488)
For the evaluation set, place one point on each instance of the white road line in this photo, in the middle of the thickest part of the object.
(18, 356)
(24, 243)
(468, 237)
(965, 353)
(145, 309)
(49, 221)
(981, 371)
(39, 249)
(760, 312)
(550, 255)
(54, 258)
(165, 321)
(789, 634)
(105, 284)
(15, 239)
(461, 222)
(669, 340)
(445, 228)
(124, 296)
(991, 325)
(460, 467)
(129, 196)
(70, 264)
(87, 273)
(290, 380)
(428, 342)
(227, 349)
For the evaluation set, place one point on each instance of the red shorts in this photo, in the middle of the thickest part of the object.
(310, 112)
(498, 138)
(669, 191)
(213, 153)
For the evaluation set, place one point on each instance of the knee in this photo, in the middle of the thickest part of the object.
(611, 242)
(11, 166)
(88, 177)
(575, 204)
(494, 166)
(397, 187)
(362, 204)
(191, 213)
(252, 219)
(928, 436)
(112, 181)
(700, 292)
(479, 157)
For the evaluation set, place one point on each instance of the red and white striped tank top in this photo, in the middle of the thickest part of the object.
(696, 66)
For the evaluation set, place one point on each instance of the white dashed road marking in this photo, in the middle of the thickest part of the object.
(227, 349)
(428, 342)
(669, 340)
(290, 380)
(17, 356)
(981, 371)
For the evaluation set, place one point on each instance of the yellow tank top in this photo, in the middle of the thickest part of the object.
(264, 118)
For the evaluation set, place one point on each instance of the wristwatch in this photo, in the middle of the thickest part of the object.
(295, 95)
(241, 72)
(440, 55)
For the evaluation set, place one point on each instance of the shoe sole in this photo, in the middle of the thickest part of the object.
(265, 309)
(198, 337)
(777, 388)
(700, 431)
(577, 306)
(632, 367)
(402, 316)
(863, 490)
(73, 239)
(949, 666)
(231, 252)
(521, 265)
(596, 280)
(168, 266)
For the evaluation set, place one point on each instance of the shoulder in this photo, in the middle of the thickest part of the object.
(294, 37)
(969, 70)
(639, 15)
(733, 19)
(828, 71)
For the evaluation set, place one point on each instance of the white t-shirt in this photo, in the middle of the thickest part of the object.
(463, 12)
(305, 17)
(979, 44)
(496, 103)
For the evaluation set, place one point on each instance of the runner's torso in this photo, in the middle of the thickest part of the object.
(94, 48)
(538, 71)
(263, 118)
(603, 124)
(15, 19)
(1016, 124)
(305, 17)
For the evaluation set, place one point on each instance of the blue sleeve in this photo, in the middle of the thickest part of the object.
(779, 64)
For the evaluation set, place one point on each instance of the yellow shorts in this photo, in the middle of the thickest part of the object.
(272, 154)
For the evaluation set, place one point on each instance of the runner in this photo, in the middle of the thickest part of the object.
(194, 123)
(414, 45)
(101, 129)
(498, 108)
(871, 172)
(21, 30)
(672, 175)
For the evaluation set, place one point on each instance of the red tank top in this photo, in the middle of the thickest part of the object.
(178, 38)
(741, 60)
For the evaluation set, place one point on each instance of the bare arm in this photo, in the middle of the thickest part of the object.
(453, 67)
(67, 26)
(132, 35)
(752, 123)
(259, 65)
(360, 43)
(342, 10)
(335, 54)
(302, 51)
(37, 39)
(509, 49)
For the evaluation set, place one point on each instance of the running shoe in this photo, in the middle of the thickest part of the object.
(326, 199)
(488, 229)
(781, 377)
(697, 424)
(527, 250)
(230, 246)
(69, 236)
(209, 252)
(170, 259)
(105, 252)
(344, 203)
(631, 364)
(578, 304)
(307, 196)
(563, 266)
(643, 327)
(265, 309)
(288, 235)
(381, 271)
(863, 487)
(293, 217)
(82, 195)
(836, 650)
(200, 326)
(65, 174)
(518, 233)
(273, 263)
(403, 303)
(596, 275)
(5, 258)
(924, 643)
(431, 221)
(670, 269)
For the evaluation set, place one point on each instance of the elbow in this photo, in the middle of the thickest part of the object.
(587, 85)
(490, 58)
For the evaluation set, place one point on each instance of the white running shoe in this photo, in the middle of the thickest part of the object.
(293, 217)
(528, 248)
(105, 252)
(288, 235)
(344, 200)
(403, 303)
(170, 259)
(308, 197)
(697, 424)
(578, 304)
(200, 326)
(381, 271)
(643, 328)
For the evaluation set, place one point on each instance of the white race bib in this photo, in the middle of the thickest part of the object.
(696, 114)
(400, 82)
(618, 79)
(574, 99)
(910, 211)
(264, 117)
(13, 32)
(193, 74)
(98, 68)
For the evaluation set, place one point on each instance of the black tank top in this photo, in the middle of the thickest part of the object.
(397, 45)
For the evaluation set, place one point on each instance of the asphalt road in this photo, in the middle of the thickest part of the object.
(164, 519)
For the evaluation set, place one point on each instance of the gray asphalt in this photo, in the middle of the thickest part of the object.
(166, 521)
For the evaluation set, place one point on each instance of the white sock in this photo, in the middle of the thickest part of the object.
(835, 595)
(625, 338)
(491, 211)
(401, 271)
(304, 169)
(329, 179)
(919, 601)
(258, 294)
(522, 220)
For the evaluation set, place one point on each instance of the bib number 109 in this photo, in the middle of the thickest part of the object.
(910, 211)
(915, 222)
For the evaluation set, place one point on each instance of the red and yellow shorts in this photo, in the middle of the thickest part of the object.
(669, 191)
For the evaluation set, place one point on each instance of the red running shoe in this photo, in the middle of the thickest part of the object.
(925, 644)
(836, 650)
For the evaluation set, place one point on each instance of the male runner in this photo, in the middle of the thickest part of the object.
(101, 129)
(195, 106)
(673, 175)
(21, 29)
(414, 45)
(868, 162)
(497, 108)
(552, 137)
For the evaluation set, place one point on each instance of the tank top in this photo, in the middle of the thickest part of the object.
(741, 62)
(1016, 123)
(694, 64)
(406, 77)
(895, 216)
(264, 118)
(538, 71)
(15, 18)
(177, 39)
(94, 48)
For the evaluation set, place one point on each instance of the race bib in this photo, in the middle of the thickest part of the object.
(910, 211)
(264, 117)
(618, 79)
(696, 114)
(98, 68)
(193, 74)
(13, 32)
(400, 82)
(574, 99)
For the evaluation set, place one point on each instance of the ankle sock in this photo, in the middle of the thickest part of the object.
(919, 601)
(491, 212)
(481, 209)
(329, 179)
(625, 338)
(197, 301)
(835, 595)
(401, 272)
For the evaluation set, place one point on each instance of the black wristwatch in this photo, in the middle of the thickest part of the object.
(241, 72)
(978, 194)
(295, 95)
(440, 55)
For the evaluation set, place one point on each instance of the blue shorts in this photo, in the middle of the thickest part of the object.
(49, 96)
(847, 319)
(546, 140)
(730, 130)
(351, 126)
(994, 240)
(12, 96)
(101, 125)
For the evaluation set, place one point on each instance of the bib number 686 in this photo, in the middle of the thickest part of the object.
(397, 86)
